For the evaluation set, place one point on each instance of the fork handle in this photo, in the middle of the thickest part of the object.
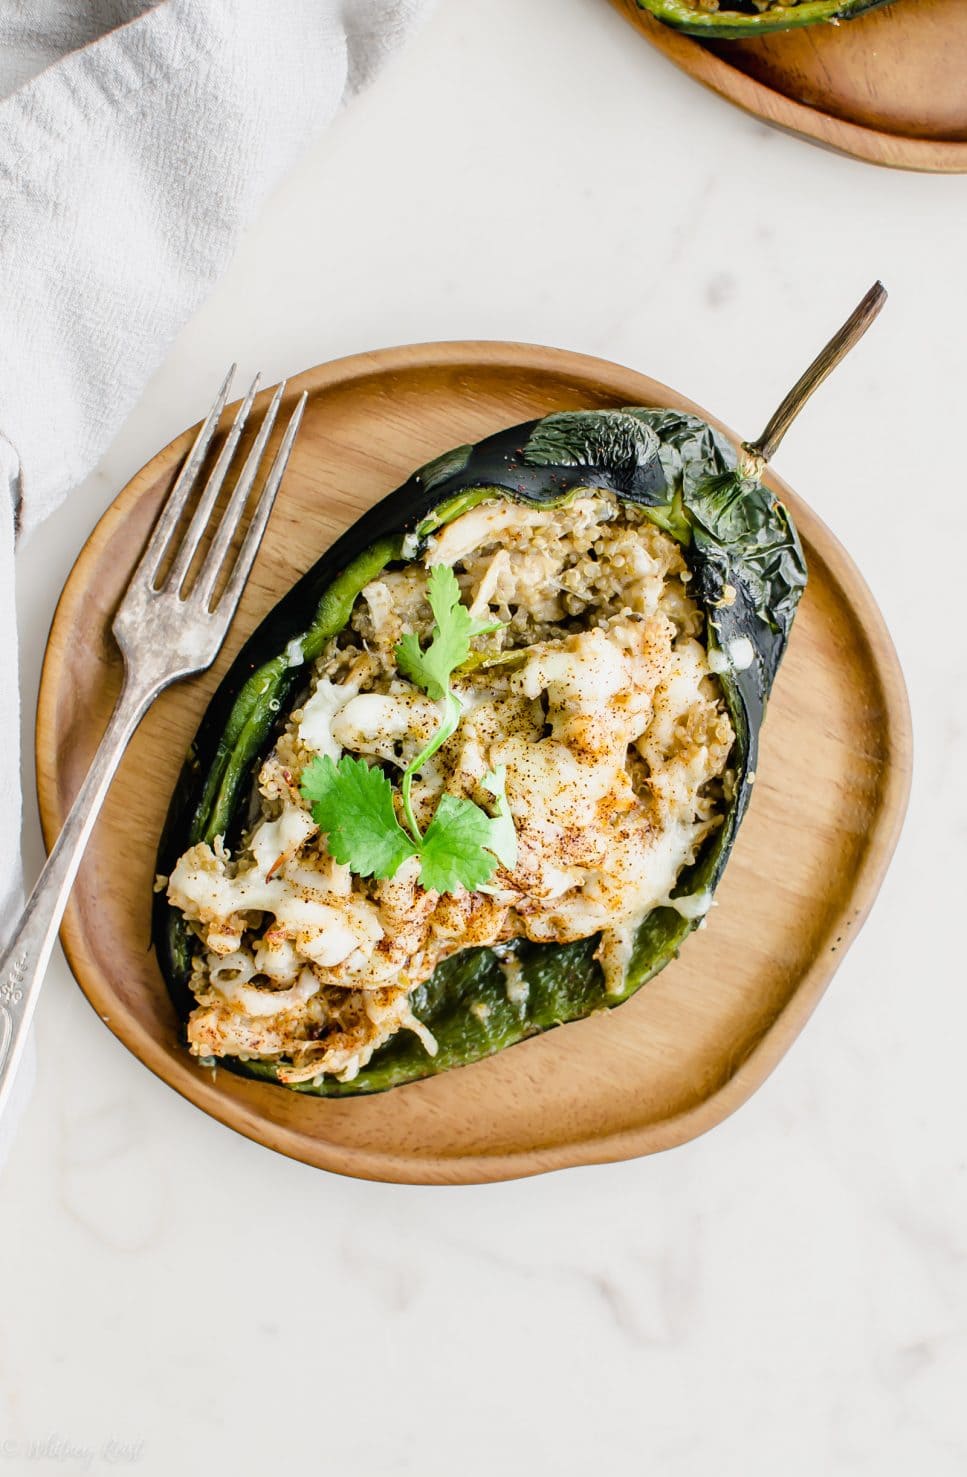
(24, 959)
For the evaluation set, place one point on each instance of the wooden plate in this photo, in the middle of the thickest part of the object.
(692, 1045)
(887, 87)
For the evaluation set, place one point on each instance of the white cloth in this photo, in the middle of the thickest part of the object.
(137, 139)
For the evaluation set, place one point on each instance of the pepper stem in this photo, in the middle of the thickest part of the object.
(754, 455)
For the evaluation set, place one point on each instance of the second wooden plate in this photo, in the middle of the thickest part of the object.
(829, 798)
(887, 87)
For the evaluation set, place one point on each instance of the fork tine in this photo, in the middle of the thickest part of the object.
(206, 503)
(255, 530)
(178, 496)
(232, 516)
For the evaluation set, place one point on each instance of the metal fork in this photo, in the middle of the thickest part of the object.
(164, 633)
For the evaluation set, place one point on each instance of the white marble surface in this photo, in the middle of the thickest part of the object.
(784, 1295)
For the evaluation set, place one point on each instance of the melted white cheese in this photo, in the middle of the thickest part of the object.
(741, 653)
(693, 906)
(735, 657)
(375, 723)
(315, 726)
(275, 841)
(260, 1003)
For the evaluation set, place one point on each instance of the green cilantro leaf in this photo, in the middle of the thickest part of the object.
(450, 639)
(503, 837)
(453, 850)
(353, 804)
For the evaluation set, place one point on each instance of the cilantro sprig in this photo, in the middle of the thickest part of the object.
(352, 801)
(353, 804)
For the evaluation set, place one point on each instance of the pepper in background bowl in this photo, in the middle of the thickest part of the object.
(744, 21)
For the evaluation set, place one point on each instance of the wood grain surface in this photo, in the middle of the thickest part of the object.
(887, 87)
(828, 803)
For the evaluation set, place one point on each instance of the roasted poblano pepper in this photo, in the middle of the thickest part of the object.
(744, 19)
(747, 575)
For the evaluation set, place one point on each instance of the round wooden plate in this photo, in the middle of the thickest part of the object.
(829, 799)
(887, 87)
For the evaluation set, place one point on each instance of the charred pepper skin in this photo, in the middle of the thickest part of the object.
(748, 573)
(728, 24)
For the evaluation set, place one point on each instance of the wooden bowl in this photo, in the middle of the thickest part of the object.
(887, 87)
(829, 798)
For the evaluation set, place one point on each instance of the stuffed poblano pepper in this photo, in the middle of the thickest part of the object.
(733, 20)
(479, 773)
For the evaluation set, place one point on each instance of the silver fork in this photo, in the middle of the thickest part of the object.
(164, 634)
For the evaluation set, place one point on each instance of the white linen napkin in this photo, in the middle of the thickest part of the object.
(137, 139)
